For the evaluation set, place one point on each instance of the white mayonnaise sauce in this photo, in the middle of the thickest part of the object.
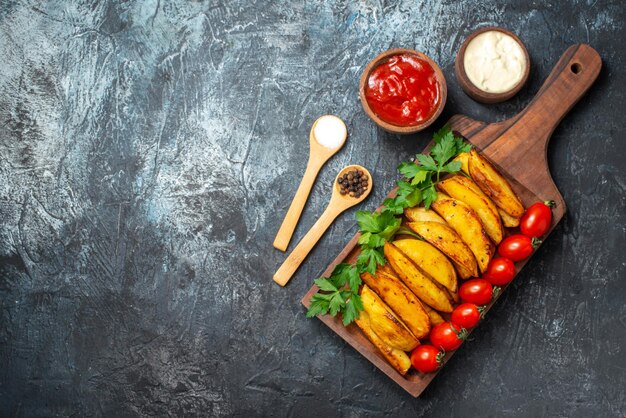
(494, 62)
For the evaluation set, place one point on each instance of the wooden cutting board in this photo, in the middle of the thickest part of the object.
(518, 147)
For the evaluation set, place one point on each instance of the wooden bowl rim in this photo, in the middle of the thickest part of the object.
(474, 91)
(443, 91)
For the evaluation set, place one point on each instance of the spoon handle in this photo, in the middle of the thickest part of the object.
(297, 256)
(297, 204)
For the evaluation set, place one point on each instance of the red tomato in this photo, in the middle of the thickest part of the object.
(447, 336)
(426, 358)
(500, 271)
(466, 315)
(476, 291)
(536, 220)
(517, 247)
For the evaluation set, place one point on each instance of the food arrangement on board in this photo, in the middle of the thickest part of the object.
(466, 215)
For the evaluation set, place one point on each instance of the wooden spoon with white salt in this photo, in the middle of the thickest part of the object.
(328, 134)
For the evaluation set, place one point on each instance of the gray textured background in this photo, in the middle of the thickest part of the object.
(148, 151)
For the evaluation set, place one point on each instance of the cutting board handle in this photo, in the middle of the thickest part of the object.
(569, 80)
(521, 142)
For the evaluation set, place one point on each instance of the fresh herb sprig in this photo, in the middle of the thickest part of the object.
(339, 292)
(421, 176)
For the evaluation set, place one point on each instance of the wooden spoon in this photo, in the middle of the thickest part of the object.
(338, 203)
(318, 155)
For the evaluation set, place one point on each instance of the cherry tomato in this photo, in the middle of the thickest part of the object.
(476, 291)
(447, 336)
(517, 247)
(500, 271)
(426, 358)
(536, 220)
(466, 315)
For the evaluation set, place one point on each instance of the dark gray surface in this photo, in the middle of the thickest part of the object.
(148, 153)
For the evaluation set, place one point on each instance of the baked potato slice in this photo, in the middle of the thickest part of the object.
(467, 225)
(448, 242)
(386, 269)
(494, 185)
(430, 260)
(453, 296)
(462, 271)
(385, 323)
(508, 220)
(401, 300)
(435, 318)
(465, 190)
(463, 158)
(418, 214)
(398, 359)
(423, 287)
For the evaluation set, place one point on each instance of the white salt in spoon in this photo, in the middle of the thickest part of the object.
(328, 134)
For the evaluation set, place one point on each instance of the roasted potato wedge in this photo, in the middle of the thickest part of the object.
(453, 296)
(462, 271)
(430, 260)
(398, 359)
(423, 287)
(386, 269)
(448, 242)
(421, 214)
(467, 224)
(401, 300)
(494, 185)
(465, 190)
(508, 220)
(435, 318)
(385, 323)
(463, 158)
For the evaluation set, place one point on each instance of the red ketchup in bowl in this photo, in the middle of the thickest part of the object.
(403, 90)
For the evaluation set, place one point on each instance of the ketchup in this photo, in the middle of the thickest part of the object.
(403, 90)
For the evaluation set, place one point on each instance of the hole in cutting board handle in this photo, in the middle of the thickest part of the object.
(576, 68)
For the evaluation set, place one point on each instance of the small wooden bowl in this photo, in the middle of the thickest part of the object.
(403, 130)
(470, 88)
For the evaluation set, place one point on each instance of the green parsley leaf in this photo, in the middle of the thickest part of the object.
(409, 170)
(386, 219)
(343, 284)
(378, 240)
(427, 162)
(461, 146)
(339, 274)
(369, 259)
(353, 307)
(354, 281)
(445, 133)
(420, 177)
(378, 227)
(319, 305)
(452, 167)
(364, 239)
(336, 303)
(413, 198)
(367, 221)
(325, 285)
(443, 150)
(430, 195)
(392, 206)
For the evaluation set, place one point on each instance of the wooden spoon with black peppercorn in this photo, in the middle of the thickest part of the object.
(352, 185)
